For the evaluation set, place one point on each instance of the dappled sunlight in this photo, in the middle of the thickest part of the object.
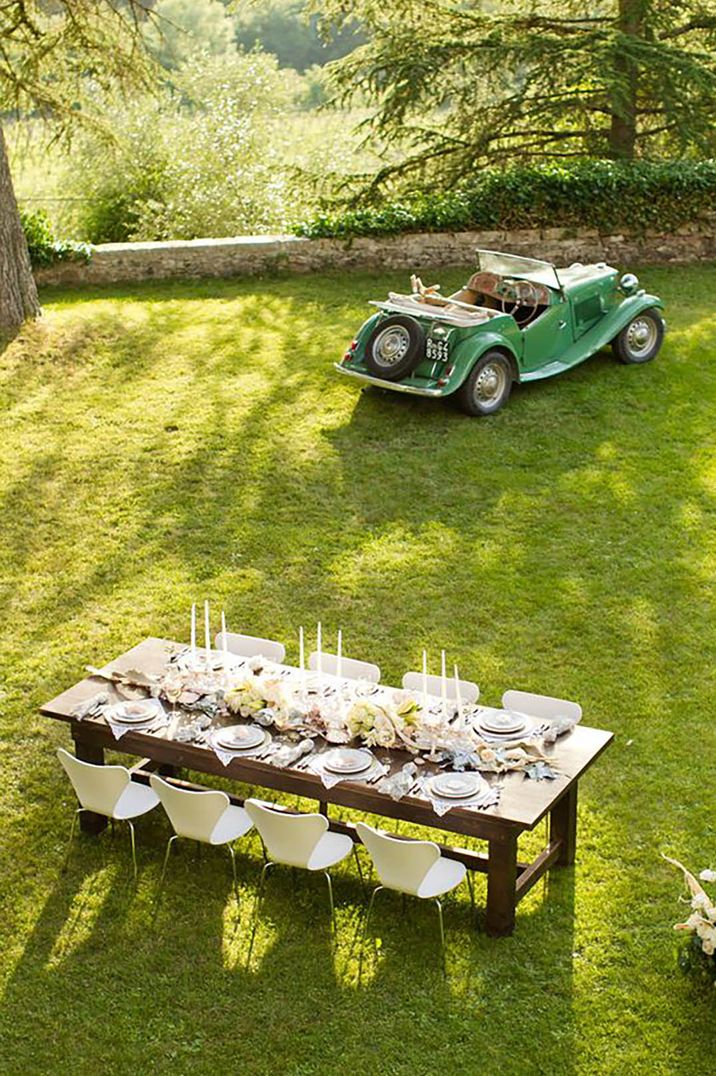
(82, 914)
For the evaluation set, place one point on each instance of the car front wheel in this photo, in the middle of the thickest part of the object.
(488, 385)
(641, 339)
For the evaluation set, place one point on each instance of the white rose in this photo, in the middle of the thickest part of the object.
(708, 876)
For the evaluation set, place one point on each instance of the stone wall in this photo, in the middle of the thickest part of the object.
(250, 255)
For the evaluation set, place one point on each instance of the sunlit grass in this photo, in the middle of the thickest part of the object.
(181, 441)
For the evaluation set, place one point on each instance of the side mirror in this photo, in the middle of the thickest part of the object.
(629, 283)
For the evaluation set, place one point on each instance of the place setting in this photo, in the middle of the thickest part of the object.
(345, 764)
(139, 715)
(239, 741)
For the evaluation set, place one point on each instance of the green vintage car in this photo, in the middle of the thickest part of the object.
(516, 319)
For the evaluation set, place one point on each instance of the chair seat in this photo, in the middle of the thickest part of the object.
(444, 875)
(233, 823)
(135, 800)
(331, 849)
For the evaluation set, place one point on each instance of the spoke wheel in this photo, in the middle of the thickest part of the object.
(641, 339)
(488, 385)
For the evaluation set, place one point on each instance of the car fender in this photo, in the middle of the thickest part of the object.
(619, 317)
(469, 351)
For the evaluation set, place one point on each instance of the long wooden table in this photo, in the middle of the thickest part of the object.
(523, 803)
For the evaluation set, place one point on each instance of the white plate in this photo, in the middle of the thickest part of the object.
(456, 786)
(240, 737)
(347, 760)
(502, 723)
(133, 713)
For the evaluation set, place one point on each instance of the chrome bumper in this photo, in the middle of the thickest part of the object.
(394, 385)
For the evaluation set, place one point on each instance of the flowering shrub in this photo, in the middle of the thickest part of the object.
(700, 925)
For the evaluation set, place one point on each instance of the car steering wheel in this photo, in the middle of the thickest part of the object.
(519, 295)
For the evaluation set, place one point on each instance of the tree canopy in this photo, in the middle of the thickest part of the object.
(459, 84)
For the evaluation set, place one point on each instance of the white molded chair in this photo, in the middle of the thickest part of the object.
(541, 706)
(351, 668)
(205, 816)
(248, 646)
(469, 691)
(413, 868)
(107, 790)
(297, 840)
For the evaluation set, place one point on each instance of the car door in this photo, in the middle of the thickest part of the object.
(548, 337)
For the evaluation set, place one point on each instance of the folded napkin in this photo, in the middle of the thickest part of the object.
(152, 724)
(226, 755)
(329, 779)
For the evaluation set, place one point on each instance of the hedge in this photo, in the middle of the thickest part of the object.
(44, 248)
(607, 195)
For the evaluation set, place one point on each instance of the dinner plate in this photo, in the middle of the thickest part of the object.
(456, 786)
(347, 760)
(240, 737)
(133, 713)
(502, 722)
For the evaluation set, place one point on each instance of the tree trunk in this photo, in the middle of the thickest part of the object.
(622, 133)
(18, 294)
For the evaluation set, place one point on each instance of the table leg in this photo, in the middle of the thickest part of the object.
(563, 826)
(501, 885)
(89, 752)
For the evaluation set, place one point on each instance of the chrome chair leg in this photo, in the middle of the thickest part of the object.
(360, 869)
(364, 935)
(232, 853)
(69, 842)
(259, 897)
(330, 898)
(170, 842)
(442, 935)
(134, 846)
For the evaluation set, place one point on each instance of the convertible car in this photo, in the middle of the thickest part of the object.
(516, 319)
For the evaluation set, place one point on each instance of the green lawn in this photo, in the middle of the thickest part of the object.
(170, 442)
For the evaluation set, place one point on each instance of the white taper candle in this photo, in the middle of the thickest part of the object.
(319, 655)
(425, 681)
(193, 631)
(207, 637)
(443, 682)
(339, 655)
(224, 647)
(458, 700)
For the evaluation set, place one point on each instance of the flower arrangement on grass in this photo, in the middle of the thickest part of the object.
(700, 954)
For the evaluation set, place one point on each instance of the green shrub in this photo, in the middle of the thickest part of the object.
(44, 248)
(606, 195)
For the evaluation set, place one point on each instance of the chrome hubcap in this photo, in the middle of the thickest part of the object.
(391, 345)
(490, 383)
(641, 337)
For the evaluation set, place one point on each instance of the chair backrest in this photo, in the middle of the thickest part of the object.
(542, 706)
(98, 787)
(351, 668)
(249, 645)
(400, 865)
(192, 814)
(469, 691)
(289, 838)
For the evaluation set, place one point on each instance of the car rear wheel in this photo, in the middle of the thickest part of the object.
(488, 385)
(395, 347)
(641, 339)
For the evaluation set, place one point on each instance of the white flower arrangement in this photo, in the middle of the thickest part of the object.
(701, 924)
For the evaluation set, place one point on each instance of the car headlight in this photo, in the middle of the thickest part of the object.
(629, 283)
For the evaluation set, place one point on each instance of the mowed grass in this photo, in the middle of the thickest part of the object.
(166, 443)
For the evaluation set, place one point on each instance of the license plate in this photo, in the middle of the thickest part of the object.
(437, 350)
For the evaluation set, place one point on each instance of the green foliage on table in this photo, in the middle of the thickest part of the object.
(607, 195)
(44, 247)
(168, 442)
(456, 85)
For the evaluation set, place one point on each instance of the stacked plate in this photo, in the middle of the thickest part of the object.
(240, 737)
(456, 786)
(503, 723)
(134, 713)
(347, 760)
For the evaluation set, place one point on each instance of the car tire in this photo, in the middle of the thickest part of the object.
(640, 340)
(487, 386)
(395, 347)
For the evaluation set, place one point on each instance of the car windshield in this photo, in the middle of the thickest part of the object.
(490, 261)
